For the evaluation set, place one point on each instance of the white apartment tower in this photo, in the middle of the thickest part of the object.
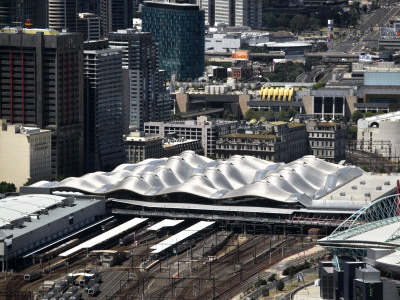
(233, 12)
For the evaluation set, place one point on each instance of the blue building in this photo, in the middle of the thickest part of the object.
(179, 31)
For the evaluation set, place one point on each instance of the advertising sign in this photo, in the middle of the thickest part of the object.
(240, 55)
(389, 31)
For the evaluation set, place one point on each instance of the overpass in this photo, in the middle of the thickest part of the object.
(280, 55)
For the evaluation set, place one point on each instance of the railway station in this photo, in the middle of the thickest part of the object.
(185, 227)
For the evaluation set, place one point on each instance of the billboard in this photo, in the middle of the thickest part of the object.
(389, 31)
(240, 55)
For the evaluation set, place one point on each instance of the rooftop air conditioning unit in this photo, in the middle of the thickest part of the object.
(387, 183)
(342, 193)
(362, 182)
(378, 188)
(367, 194)
(354, 187)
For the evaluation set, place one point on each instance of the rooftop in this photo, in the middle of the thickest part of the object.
(251, 136)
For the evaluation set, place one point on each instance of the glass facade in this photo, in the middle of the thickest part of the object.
(179, 31)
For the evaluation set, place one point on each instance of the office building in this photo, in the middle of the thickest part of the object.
(115, 14)
(179, 31)
(233, 13)
(42, 85)
(62, 15)
(25, 154)
(144, 87)
(203, 129)
(327, 140)
(89, 25)
(274, 141)
(103, 109)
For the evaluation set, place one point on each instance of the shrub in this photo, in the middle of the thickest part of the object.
(272, 277)
(280, 285)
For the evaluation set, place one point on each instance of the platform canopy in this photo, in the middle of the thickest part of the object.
(105, 236)
(181, 236)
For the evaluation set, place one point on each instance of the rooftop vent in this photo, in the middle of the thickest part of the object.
(362, 182)
(378, 188)
(387, 183)
(354, 187)
(342, 193)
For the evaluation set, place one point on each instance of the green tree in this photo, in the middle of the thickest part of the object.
(280, 285)
(351, 133)
(365, 168)
(272, 277)
(269, 21)
(283, 21)
(382, 170)
(321, 47)
(356, 116)
(313, 24)
(265, 292)
(250, 114)
(368, 114)
(6, 187)
(298, 23)
(270, 115)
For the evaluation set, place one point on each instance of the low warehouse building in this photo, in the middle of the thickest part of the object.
(32, 222)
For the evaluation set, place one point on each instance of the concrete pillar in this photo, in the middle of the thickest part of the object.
(323, 107)
(333, 108)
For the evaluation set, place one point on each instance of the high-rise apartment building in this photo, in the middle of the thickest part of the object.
(42, 85)
(179, 31)
(233, 12)
(115, 14)
(89, 25)
(148, 100)
(62, 15)
(103, 109)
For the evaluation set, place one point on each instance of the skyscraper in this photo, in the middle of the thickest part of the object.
(115, 14)
(179, 31)
(103, 109)
(233, 12)
(62, 15)
(148, 100)
(13, 12)
(42, 85)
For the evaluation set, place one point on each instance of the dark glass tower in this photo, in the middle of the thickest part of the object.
(179, 31)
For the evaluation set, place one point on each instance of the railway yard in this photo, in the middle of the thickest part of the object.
(209, 263)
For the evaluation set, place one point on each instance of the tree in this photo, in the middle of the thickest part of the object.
(313, 24)
(368, 114)
(265, 292)
(270, 115)
(269, 21)
(6, 187)
(280, 285)
(283, 21)
(356, 116)
(298, 23)
(250, 114)
(351, 133)
(321, 47)
(272, 277)
(365, 168)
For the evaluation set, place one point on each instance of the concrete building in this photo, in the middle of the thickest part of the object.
(115, 15)
(179, 31)
(233, 13)
(63, 15)
(327, 140)
(144, 85)
(222, 42)
(42, 85)
(25, 154)
(380, 134)
(140, 147)
(278, 142)
(32, 222)
(89, 25)
(103, 113)
(203, 129)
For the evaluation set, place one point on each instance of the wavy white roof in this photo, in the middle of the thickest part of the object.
(301, 181)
